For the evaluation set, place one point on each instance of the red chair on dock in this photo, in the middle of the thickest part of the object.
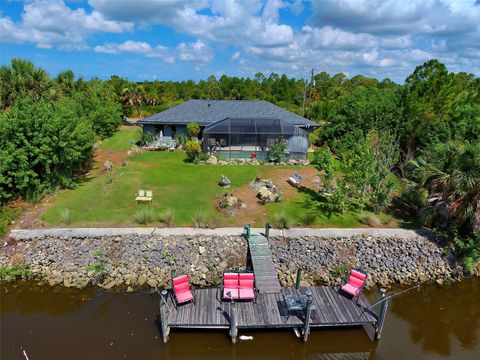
(355, 284)
(238, 286)
(230, 286)
(182, 291)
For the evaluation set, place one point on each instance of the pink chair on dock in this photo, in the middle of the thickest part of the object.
(182, 291)
(238, 286)
(230, 286)
(355, 284)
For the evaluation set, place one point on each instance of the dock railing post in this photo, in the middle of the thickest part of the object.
(233, 322)
(308, 311)
(299, 278)
(267, 230)
(247, 231)
(164, 315)
(383, 314)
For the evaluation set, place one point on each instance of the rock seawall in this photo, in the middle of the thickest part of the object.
(149, 260)
(127, 260)
(386, 260)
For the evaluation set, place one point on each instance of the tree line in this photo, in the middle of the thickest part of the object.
(48, 128)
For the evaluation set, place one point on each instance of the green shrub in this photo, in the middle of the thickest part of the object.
(281, 220)
(323, 160)
(181, 139)
(167, 217)
(65, 216)
(276, 152)
(144, 216)
(193, 129)
(200, 219)
(96, 267)
(341, 270)
(308, 218)
(193, 150)
(10, 273)
(146, 138)
(7, 215)
(98, 254)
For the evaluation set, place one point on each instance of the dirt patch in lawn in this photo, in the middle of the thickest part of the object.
(255, 212)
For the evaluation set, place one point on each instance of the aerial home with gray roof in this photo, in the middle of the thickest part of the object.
(235, 128)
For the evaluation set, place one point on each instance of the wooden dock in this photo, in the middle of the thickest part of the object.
(266, 278)
(331, 310)
(314, 306)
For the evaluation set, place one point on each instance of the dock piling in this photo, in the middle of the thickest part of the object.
(164, 315)
(299, 278)
(233, 322)
(267, 231)
(308, 314)
(383, 314)
(247, 231)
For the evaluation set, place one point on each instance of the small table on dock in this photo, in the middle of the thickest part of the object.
(298, 302)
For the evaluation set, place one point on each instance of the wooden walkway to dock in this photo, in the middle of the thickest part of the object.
(266, 278)
(269, 311)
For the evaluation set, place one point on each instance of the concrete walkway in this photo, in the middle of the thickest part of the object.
(289, 233)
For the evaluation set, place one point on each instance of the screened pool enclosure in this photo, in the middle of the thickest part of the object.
(234, 138)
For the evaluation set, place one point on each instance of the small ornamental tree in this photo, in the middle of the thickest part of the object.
(193, 150)
(193, 129)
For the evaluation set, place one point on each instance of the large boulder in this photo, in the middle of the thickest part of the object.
(212, 160)
(266, 195)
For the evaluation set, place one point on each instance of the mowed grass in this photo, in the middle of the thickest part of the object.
(302, 205)
(188, 189)
(123, 139)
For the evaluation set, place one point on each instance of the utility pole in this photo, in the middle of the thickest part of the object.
(305, 94)
(311, 92)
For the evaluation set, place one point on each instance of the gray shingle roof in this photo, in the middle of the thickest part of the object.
(206, 112)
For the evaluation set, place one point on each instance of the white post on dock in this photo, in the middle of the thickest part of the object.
(383, 314)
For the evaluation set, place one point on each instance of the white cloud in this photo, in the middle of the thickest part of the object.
(137, 47)
(236, 55)
(196, 51)
(51, 23)
(271, 9)
(328, 37)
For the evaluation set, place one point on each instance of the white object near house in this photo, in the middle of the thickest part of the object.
(144, 196)
(295, 179)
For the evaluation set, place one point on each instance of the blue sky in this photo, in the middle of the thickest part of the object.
(180, 40)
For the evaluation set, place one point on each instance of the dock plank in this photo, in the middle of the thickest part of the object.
(266, 277)
(269, 311)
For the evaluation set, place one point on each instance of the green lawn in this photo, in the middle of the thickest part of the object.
(186, 188)
(121, 140)
(101, 200)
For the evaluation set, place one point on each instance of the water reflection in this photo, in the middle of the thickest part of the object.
(57, 323)
(438, 316)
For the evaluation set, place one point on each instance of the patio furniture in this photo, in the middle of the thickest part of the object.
(356, 281)
(144, 196)
(295, 179)
(297, 302)
(182, 291)
(239, 286)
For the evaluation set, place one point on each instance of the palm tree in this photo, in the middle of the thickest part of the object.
(66, 81)
(22, 78)
(134, 96)
(450, 174)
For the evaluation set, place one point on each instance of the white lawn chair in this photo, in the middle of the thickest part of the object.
(295, 180)
(144, 196)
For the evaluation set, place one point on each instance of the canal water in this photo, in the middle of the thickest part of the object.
(61, 323)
